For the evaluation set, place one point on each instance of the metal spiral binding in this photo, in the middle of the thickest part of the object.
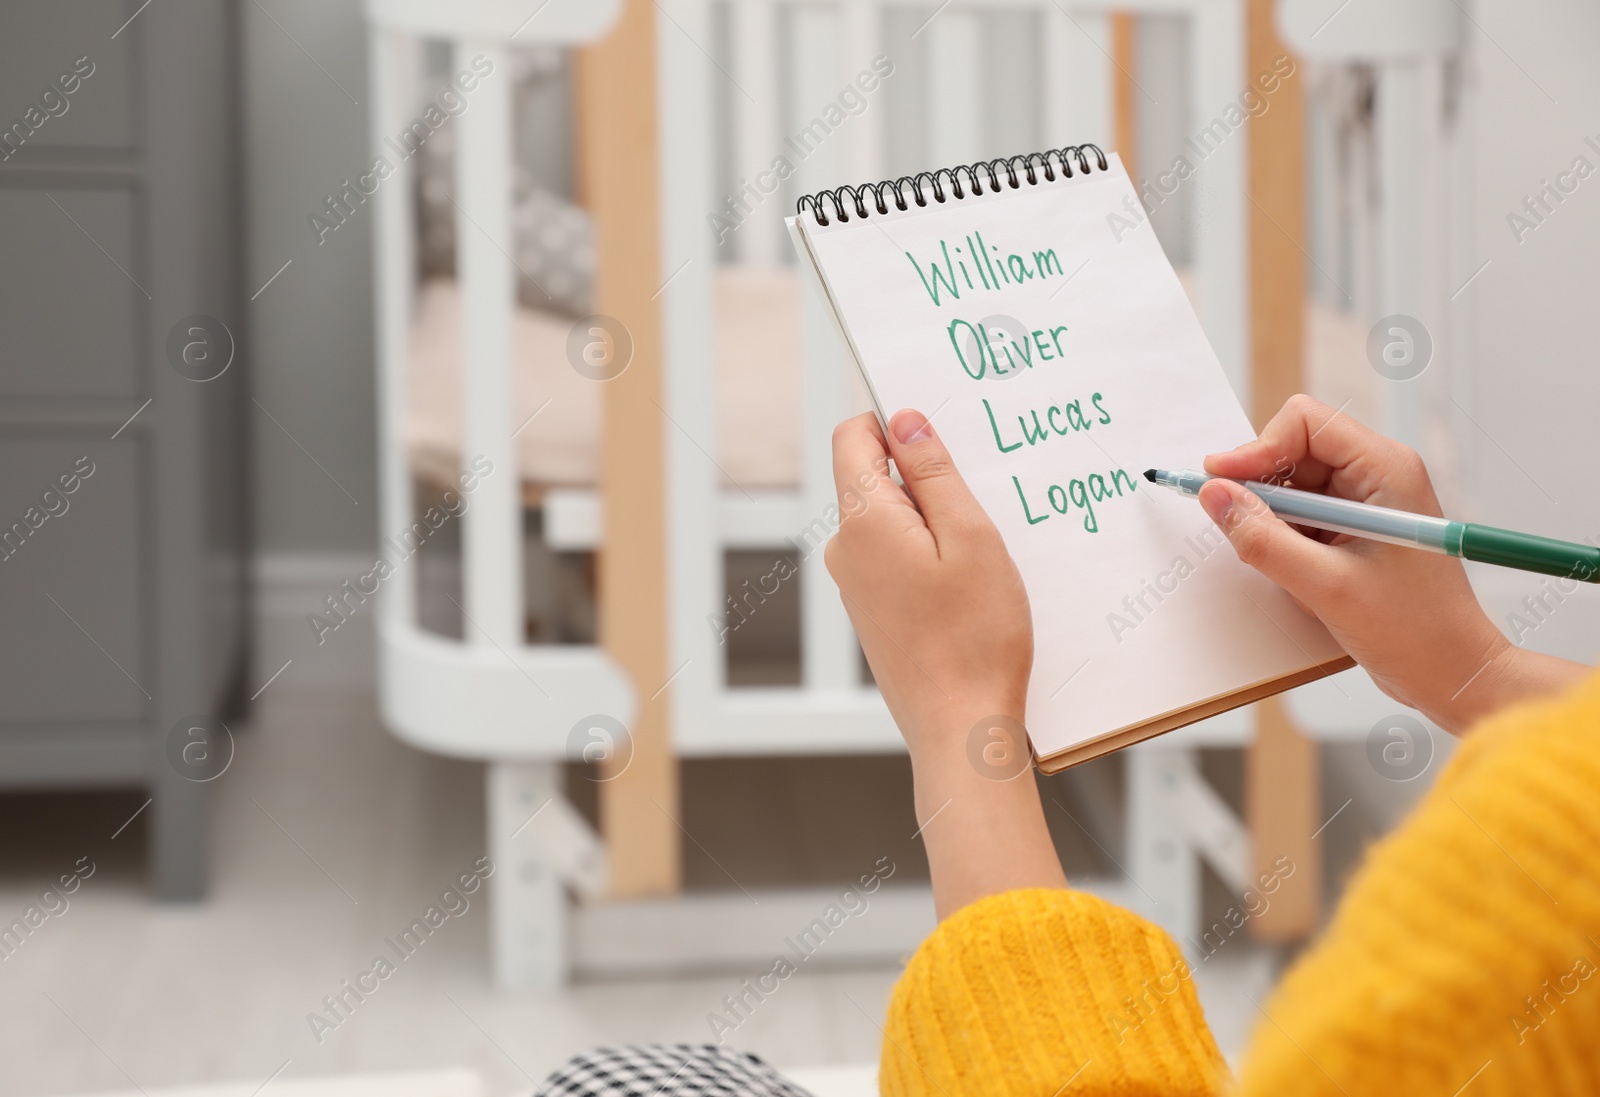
(1030, 166)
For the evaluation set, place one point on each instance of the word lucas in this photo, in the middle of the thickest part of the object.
(1152, 193)
(452, 904)
(1539, 205)
(52, 904)
(53, 103)
(737, 207)
(1543, 1008)
(339, 606)
(450, 103)
(851, 904)
(1154, 993)
(54, 503)
(781, 570)
(1069, 412)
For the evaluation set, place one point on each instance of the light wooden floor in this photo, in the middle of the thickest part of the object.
(330, 836)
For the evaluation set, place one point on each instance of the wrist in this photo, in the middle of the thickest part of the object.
(984, 830)
(1517, 674)
(1475, 680)
(1504, 675)
(984, 732)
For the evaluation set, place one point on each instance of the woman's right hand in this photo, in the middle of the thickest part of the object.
(1408, 617)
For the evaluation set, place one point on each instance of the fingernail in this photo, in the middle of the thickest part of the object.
(1218, 504)
(910, 427)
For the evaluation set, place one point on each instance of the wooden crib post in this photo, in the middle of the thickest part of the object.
(1124, 104)
(618, 162)
(1282, 798)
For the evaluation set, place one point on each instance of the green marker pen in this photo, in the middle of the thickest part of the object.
(1485, 544)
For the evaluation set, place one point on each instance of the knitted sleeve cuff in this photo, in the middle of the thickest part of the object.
(1024, 992)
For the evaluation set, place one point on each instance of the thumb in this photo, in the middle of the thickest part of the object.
(947, 504)
(1307, 569)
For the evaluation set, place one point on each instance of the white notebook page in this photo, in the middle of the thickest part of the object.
(1098, 370)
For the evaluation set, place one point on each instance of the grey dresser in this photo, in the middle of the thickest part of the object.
(122, 514)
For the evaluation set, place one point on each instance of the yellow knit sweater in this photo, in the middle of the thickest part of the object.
(1461, 961)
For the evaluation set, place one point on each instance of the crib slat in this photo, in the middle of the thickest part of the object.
(755, 112)
(392, 56)
(1217, 36)
(1079, 72)
(491, 549)
(828, 645)
(815, 145)
(688, 88)
(861, 39)
(953, 92)
(1408, 109)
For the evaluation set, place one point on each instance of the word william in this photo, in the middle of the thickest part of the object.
(1154, 993)
(802, 947)
(449, 103)
(738, 206)
(52, 904)
(1253, 103)
(939, 280)
(54, 503)
(452, 904)
(1542, 203)
(351, 596)
(54, 101)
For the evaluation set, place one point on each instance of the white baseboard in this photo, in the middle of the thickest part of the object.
(289, 588)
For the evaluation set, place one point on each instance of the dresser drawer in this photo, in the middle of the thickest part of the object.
(72, 642)
(64, 78)
(70, 309)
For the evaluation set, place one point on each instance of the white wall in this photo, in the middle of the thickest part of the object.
(1530, 320)
(309, 347)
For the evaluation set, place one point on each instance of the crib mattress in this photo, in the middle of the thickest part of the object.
(758, 383)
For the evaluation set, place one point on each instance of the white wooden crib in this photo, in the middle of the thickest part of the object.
(495, 697)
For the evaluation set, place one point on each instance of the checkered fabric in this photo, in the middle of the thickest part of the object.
(660, 1070)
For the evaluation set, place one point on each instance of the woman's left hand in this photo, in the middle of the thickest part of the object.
(944, 620)
(935, 598)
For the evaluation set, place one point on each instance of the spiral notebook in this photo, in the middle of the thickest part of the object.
(1026, 307)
